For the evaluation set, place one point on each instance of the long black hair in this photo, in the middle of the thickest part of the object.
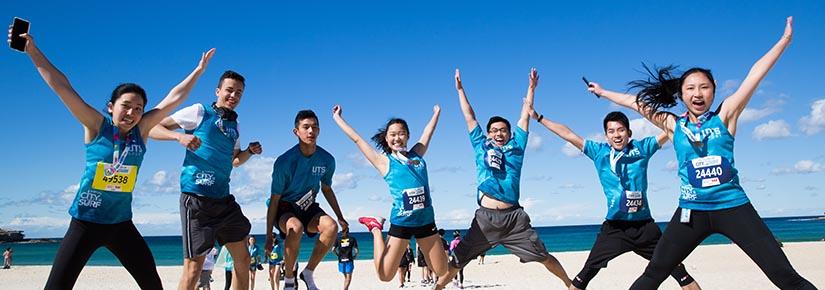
(661, 89)
(380, 138)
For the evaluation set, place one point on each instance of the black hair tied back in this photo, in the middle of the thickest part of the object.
(659, 90)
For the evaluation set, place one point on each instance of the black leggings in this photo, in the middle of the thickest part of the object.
(84, 238)
(228, 283)
(742, 225)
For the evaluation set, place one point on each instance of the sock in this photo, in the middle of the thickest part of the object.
(307, 277)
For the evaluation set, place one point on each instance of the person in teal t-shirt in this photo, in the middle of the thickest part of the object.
(711, 199)
(500, 219)
(621, 164)
(405, 172)
(298, 175)
(115, 144)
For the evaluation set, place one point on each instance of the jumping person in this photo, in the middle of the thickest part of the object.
(209, 213)
(621, 164)
(711, 199)
(297, 177)
(412, 213)
(500, 219)
(115, 146)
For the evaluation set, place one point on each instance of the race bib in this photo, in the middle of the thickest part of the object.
(273, 256)
(632, 201)
(709, 171)
(121, 181)
(414, 198)
(345, 243)
(495, 159)
(307, 200)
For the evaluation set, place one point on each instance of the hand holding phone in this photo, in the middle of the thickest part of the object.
(587, 83)
(16, 42)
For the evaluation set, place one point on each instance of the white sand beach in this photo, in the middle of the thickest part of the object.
(714, 267)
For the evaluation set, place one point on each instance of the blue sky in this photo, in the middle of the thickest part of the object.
(381, 60)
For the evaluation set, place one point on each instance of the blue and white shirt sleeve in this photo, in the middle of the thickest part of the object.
(650, 145)
(521, 137)
(592, 149)
(189, 118)
(477, 138)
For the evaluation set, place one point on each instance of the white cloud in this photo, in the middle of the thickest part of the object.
(59, 200)
(770, 107)
(346, 180)
(815, 121)
(358, 159)
(729, 86)
(642, 128)
(801, 167)
(570, 151)
(534, 142)
(160, 182)
(774, 129)
(571, 186)
(156, 218)
(530, 202)
(26, 222)
(252, 181)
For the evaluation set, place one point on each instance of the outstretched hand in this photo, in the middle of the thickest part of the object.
(29, 39)
(337, 111)
(458, 85)
(534, 78)
(205, 57)
(788, 28)
(529, 107)
(595, 88)
(436, 109)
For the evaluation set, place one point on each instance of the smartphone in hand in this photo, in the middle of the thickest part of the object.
(19, 26)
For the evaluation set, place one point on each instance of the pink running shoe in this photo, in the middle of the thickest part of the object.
(372, 222)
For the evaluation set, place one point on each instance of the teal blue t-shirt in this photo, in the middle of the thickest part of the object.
(103, 196)
(625, 182)
(708, 175)
(297, 178)
(499, 168)
(206, 171)
(410, 191)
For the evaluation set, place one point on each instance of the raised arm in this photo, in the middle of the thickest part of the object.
(379, 161)
(736, 103)
(526, 107)
(664, 120)
(559, 129)
(424, 142)
(466, 109)
(175, 97)
(57, 81)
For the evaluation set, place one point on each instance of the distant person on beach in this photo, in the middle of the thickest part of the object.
(346, 249)
(209, 213)
(711, 200)
(404, 267)
(621, 164)
(7, 258)
(459, 282)
(254, 260)
(115, 144)
(426, 273)
(206, 273)
(227, 267)
(275, 259)
(412, 214)
(298, 175)
(500, 219)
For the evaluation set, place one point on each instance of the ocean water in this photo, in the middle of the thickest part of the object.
(167, 250)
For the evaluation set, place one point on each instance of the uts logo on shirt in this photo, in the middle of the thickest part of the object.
(711, 133)
(633, 153)
(135, 149)
(319, 170)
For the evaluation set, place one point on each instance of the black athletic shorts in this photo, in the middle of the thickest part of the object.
(407, 233)
(207, 220)
(305, 216)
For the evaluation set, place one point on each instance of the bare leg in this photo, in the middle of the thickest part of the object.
(240, 256)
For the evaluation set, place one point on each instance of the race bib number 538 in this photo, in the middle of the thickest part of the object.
(122, 181)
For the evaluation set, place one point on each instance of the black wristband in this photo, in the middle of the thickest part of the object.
(540, 118)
